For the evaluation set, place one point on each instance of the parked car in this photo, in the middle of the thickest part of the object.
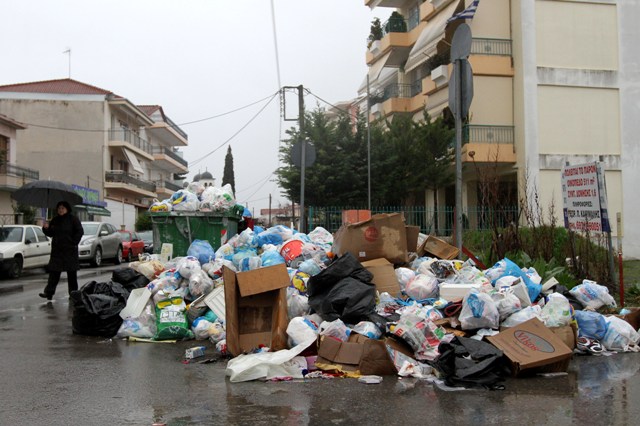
(132, 245)
(100, 241)
(22, 247)
(147, 237)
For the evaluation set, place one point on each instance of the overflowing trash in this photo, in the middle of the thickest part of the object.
(289, 305)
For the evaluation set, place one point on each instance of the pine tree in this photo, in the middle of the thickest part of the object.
(228, 177)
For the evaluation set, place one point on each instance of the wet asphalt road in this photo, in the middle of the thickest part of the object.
(53, 377)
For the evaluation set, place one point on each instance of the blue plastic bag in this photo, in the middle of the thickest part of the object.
(271, 257)
(506, 267)
(201, 250)
(591, 324)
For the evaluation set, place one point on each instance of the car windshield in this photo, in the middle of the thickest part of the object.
(10, 234)
(126, 236)
(90, 228)
(146, 236)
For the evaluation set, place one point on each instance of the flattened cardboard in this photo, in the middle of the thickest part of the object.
(256, 308)
(359, 353)
(532, 347)
(435, 247)
(384, 235)
(384, 276)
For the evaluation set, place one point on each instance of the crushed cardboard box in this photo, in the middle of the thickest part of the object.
(384, 276)
(531, 347)
(360, 353)
(435, 247)
(256, 308)
(384, 235)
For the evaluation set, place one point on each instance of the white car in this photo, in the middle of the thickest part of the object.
(22, 247)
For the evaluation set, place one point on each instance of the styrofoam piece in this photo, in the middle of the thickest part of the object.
(456, 292)
(166, 253)
(215, 301)
(135, 303)
(547, 286)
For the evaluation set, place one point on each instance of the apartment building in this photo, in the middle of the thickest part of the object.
(119, 155)
(555, 82)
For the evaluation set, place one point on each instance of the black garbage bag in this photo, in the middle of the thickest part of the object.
(96, 308)
(129, 278)
(343, 290)
(471, 363)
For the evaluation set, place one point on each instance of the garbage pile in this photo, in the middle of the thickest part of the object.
(284, 306)
(196, 197)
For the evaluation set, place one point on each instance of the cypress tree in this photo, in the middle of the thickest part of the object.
(228, 177)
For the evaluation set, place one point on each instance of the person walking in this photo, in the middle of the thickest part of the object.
(66, 232)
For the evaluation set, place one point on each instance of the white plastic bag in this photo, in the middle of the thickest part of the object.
(525, 314)
(300, 329)
(478, 311)
(557, 311)
(592, 295)
(404, 276)
(620, 335)
(335, 328)
(423, 286)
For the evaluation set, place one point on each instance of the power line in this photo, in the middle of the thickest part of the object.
(236, 133)
(42, 126)
(332, 105)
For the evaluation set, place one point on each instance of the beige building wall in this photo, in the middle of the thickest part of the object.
(491, 20)
(578, 35)
(579, 120)
(492, 102)
(68, 156)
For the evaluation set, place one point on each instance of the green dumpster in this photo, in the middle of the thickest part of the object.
(181, 228)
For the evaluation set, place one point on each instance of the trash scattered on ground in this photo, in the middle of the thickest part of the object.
(374, 299)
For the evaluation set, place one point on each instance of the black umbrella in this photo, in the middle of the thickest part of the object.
(46, 193)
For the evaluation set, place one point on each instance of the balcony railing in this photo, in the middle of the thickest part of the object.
(491, 46)
(170, 153)
(395, 25)
(120, 176)
(395, 90)
(167, 185)
(130, 137)
(416, 87)
(487, 134)
(175, 127)
(414, 18)
(11, 169)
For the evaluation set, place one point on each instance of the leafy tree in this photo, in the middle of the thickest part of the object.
(228, 176)
(143, 222)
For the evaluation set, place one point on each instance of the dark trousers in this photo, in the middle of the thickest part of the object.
(54, 278)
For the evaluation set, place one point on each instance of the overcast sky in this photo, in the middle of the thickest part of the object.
(199, 59)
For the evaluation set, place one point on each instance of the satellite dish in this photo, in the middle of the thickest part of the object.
(461, 43)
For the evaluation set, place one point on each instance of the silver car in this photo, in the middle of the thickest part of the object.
(100, 241)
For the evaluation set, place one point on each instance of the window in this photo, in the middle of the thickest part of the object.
(30, 236)
(41, 237)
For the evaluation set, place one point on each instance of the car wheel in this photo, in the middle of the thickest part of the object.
(97, 258)
(129, 256)
(15, 269)
(118, 259)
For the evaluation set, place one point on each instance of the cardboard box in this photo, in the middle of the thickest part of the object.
(531, 348)
(384, 276)
(412, 238)
(384, 235)
(435, 247)
(568, 334)
(456, 292)
(256, 308)
(355, 216)
(359, 353)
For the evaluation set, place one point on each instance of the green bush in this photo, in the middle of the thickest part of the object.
(143, 222)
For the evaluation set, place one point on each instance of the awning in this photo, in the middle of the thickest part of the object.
(94, 210)
(133, 160)
(427, 42)
(374, 71)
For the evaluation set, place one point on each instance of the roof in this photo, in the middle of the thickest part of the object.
(7, 121)
(206, 175)
(65, 86)
(150, 109)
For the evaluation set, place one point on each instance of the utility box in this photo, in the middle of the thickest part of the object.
(181, 228)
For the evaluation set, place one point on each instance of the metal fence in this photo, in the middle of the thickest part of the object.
(491, 46)
(440, 221)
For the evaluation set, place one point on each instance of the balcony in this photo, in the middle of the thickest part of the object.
(13, 176)
(491, 57)
(165, 188)
(398, 98)
(167, 133)
(488, 144)
(128, 139)
(386, 3)
(399, 35)
(167, 159)
(120, 183)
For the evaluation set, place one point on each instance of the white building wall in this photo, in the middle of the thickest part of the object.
(121, 214)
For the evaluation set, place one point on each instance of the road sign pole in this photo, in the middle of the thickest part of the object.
(457, 72)
(303, 155)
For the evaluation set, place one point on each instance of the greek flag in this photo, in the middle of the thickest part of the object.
(467, 13)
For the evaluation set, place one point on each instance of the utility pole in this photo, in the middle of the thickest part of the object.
(269, 211)
(303, 155)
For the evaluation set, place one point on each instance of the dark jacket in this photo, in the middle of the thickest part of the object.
(66, 232)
